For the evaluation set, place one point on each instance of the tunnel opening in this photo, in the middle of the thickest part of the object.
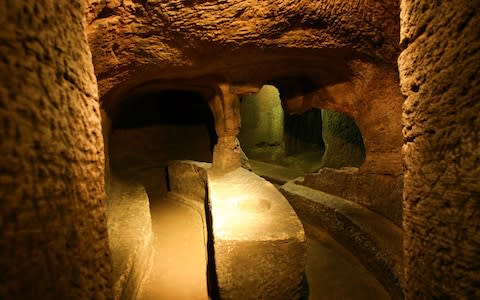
(302, 142)
(156, 127)
(177, 109)
(153, 232)
(343, 141)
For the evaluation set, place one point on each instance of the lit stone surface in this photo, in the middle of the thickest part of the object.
(234, 37)
(129, 234)
(377, 192)
(189, 179)
(339, 55)
(259, 242)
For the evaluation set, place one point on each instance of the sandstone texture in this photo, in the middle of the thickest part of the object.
(53, 228)
(379, 193)
(189, 179)
(439, 70)
(255, 242)
(130, 235)
(262, 119)
(233, 38)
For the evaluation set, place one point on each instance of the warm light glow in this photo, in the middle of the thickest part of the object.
(179, 258)
(246, 207)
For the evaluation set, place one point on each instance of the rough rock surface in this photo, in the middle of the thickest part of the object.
(53, 230)
(262, 119)
(130, 234)
(370, 96)
(373, 239)
(234, 37)
(189, 179)
(439, 71)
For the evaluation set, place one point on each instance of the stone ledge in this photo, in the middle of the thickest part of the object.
(130, 236)
(375, 240)
(379, 192)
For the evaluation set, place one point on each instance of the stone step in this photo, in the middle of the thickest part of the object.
(375, 240)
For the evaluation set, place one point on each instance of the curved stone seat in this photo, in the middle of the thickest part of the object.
(375, 240)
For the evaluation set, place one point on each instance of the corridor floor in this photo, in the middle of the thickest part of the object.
(179, 256)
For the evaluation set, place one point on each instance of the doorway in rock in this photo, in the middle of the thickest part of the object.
(303, 143)
(151, 129)
(157, 239)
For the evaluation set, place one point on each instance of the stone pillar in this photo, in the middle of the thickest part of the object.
(226, 111)
(439, 71)
(53, 228)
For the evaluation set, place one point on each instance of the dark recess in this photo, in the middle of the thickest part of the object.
(166, 107)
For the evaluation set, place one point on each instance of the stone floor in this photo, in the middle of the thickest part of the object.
(334, 273)
(179, 254)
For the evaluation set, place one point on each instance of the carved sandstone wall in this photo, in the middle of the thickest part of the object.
(439, 70)
(53, 232)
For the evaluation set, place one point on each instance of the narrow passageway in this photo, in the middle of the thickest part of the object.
(177, 266)
(178, 269)
(173, 265)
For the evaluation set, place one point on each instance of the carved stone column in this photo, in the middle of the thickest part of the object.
(226, 110)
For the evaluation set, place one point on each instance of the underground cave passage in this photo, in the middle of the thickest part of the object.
(302, 143)
(154, 234)
(159, 238)
(407, 71)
